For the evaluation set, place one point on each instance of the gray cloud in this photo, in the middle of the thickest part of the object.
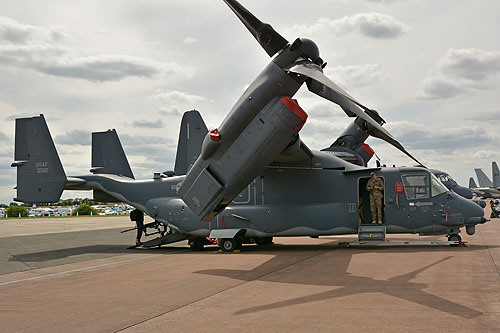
(417, 136)
(39, 49)
(149, 123)
(14, 32)
(373, 25)
(461, 71)
(75, 137)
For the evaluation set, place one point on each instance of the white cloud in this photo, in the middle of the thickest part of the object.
(373, 25)
(148, 123)
(462, 71)
(174, 96)
(190, 40)
(355, 76)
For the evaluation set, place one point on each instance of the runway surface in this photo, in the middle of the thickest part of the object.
(77, 275)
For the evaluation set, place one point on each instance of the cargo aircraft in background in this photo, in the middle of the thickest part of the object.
(253, 178)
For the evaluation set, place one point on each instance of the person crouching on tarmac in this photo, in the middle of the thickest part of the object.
(375, 186)
(138, 216)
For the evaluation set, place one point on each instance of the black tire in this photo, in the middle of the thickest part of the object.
(454, 238)
(228, 244)
(196, 244)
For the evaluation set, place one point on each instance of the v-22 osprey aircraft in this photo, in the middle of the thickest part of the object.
(254, 177)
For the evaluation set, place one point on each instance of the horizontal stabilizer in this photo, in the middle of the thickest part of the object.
(40, 175)
(193, 132)
(483, 180)
(108, 156)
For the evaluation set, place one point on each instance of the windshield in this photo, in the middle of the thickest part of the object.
(437, 187)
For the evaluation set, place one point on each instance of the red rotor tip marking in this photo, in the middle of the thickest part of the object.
(294, 106)
(214, 135)
(368, 149)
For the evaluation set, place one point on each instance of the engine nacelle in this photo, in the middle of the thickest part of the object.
(224, 168)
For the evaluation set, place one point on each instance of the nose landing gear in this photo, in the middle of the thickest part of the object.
(454, 238)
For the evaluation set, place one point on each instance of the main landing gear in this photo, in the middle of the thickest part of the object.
(230, 244)
(454, 238)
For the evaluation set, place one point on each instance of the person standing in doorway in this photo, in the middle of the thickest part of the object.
(376, 187)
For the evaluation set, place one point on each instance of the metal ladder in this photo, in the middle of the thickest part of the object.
(371, 233)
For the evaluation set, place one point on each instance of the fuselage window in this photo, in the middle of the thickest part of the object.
(416, 186)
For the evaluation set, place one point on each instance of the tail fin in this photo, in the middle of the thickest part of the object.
(472, 183)
(483, 180)
(108, 155)
(496, 174)
(40, 175)
(191, 136)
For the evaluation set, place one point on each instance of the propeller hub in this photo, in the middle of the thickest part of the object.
(308, 49)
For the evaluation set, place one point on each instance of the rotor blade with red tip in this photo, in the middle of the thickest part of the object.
(324, 87)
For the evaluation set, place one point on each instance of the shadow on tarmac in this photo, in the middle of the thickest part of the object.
(330, 269)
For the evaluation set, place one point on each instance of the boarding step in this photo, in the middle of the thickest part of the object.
(166, 239)
(372, 233)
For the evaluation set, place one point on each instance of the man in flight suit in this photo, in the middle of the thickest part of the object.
(138, 216)
(375, 186)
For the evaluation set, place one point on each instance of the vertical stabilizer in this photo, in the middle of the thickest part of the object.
(472, 183)
(40, 175)
(483, 180)
(108, 156)
(496, 174)
(191, 136)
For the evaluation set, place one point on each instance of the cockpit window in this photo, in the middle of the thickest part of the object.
(416, 186)
(437, 187)
(443, 177)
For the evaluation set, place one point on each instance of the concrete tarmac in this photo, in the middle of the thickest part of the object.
(80, 277)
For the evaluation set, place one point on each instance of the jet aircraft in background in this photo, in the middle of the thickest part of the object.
(487, 188)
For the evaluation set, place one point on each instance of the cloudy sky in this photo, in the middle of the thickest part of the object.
(431, 68)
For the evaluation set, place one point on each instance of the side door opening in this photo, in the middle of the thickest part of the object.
(364, 211)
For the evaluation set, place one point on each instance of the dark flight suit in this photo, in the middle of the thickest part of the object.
(375, 187)
(138, 217)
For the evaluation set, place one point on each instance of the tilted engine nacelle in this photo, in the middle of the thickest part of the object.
(350, 144)
(225, 167)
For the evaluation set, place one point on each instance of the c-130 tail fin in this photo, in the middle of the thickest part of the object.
(40, 174)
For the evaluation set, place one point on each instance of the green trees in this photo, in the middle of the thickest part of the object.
(13, 211)
(84, 209)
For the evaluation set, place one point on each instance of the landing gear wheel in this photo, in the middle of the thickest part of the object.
(196, 244)
(229, 244)
(454, 238)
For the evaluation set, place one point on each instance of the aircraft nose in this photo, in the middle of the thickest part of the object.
(476, 214)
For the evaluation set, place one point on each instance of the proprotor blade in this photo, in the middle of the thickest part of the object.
(270, 40)
(324, 87)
